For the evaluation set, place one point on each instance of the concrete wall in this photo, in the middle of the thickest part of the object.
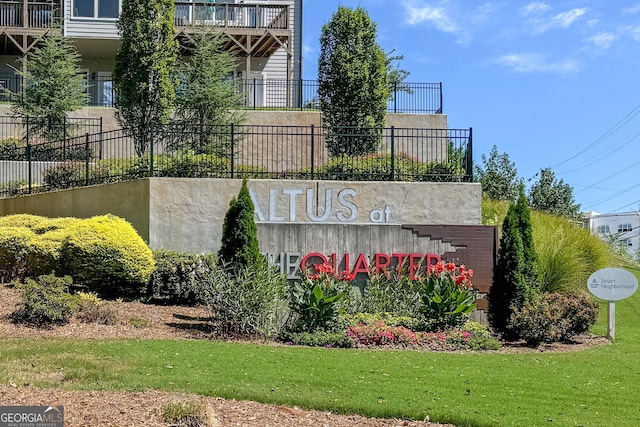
(129, 200)
(187, 214)
(271, 118)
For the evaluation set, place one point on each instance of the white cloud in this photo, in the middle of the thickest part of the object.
(565, 19)
(541, 24)
(439, 17)
(534, 63)
(534, 8)
(634, 32)
(448, 17)
(632, 9)
(603, 40)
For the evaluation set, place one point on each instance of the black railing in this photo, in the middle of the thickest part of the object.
(271, 94)
(236, 151)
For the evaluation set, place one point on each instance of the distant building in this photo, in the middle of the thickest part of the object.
(622, 229)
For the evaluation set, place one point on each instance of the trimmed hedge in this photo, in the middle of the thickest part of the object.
(103, 254)
(106, 255)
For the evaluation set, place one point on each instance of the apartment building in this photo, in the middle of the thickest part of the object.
(622, 229)
(265, 36)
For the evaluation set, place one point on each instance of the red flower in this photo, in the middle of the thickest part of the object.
(450, 266)
(345, 275)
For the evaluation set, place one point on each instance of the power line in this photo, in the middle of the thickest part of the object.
(599, 158)
(604, 136)
(609, 177)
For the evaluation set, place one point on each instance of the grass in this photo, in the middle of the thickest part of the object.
(593, 387)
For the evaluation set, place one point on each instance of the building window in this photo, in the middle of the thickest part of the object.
(603, 229)
(625, 243)
(108, 9)
(624, 227)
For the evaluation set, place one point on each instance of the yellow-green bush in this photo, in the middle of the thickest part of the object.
(106, 255)
(103, 254)
(30, 245)
(21, 220)
(14, 251)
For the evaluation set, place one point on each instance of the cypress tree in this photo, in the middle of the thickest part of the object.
(515, 278)
(239, 233)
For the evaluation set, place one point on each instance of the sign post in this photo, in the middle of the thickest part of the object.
(612, 284)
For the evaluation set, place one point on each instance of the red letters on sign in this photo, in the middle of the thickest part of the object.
(380, 260)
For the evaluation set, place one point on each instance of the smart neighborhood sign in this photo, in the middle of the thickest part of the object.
(612, 284)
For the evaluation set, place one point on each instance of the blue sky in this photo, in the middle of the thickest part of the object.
(551, 83)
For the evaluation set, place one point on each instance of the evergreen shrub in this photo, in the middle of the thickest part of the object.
(45, 301)
(240, 247)
(180, 277)
(553, 317)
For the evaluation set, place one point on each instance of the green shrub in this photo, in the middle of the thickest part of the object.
(247, 302)
(317, 338)
(107, 256)
(92, 310)
(239, 233)
(45, 301)
(554, 317)
(388, 319)
(377, 167)
(180, 278)
(13, 148)
(393, 292)
(316, 299)
(14, 252)
(60, 152)
(190, 165)
(74, 174)
(440, 172)
(14, 187)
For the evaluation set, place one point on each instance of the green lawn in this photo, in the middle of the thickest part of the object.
(596, 387)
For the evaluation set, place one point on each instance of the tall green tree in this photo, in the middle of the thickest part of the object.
(240, 247)
(553, 196)
(207, 99)
(145, 88)
(498, 176)
(515, 278)
(53, 87)
(353, 83)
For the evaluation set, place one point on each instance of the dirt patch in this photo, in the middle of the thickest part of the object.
(145, 321)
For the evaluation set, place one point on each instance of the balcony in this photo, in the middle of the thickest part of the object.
(247, 16)
(29, 14)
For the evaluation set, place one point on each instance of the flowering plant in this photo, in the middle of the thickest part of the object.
(447, 295)
(316, 298)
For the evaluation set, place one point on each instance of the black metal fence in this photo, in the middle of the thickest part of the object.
(270, 94)
(237, 151)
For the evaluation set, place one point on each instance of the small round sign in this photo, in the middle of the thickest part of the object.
(612, 284)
